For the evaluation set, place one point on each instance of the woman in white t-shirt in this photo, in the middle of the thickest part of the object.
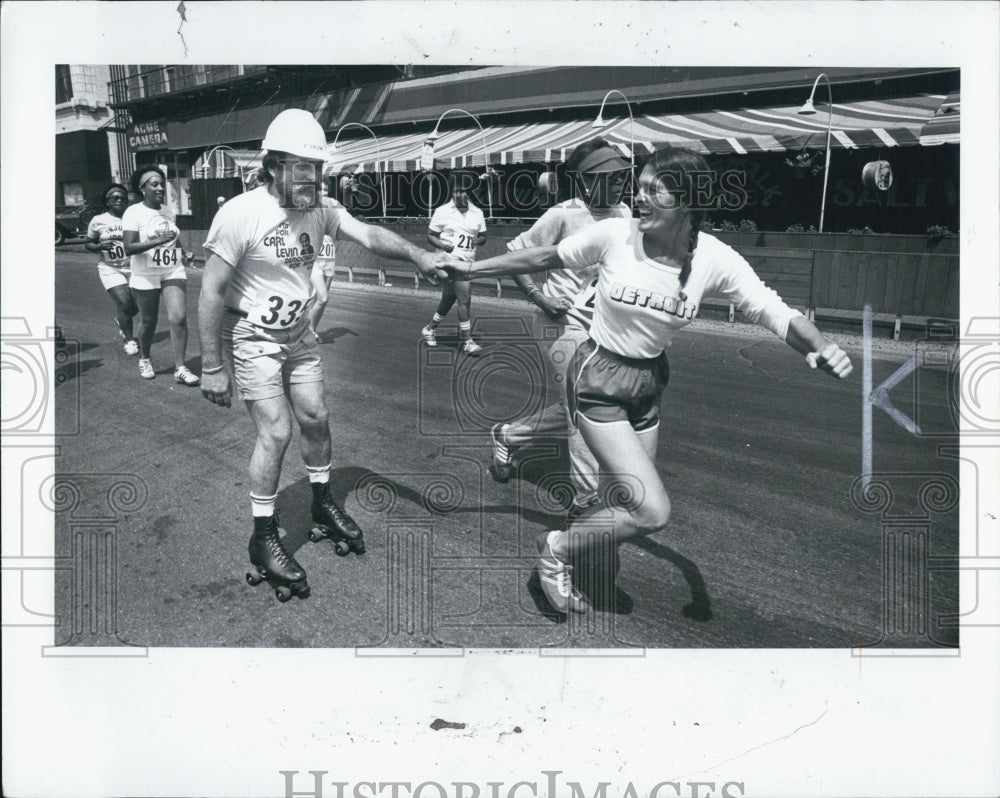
(104, 237)
(150, 238)
(652, 274)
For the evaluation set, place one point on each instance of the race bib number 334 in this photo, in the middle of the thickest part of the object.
(280, 312)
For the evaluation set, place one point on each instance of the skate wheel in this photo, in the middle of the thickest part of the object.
(341, 548)
(283, 593)
(316, 534)
(254, 579)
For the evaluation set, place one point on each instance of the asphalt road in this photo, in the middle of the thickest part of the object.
(768, 546)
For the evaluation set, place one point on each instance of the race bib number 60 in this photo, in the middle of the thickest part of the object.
(116, 253)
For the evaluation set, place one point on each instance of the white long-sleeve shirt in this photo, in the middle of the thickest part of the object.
(638, 307)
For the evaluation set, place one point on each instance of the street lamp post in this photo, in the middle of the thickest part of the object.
(807, 110)
(378, 156)
(486, 154)
(599, 122)
(207, 157)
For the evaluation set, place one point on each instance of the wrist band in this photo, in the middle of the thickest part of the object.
(215, 370)
(533, 290)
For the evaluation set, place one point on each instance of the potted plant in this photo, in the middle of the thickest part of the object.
(806, 162)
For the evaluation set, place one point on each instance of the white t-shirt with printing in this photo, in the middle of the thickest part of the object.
(271, 250)
(459, 228)
(638, 306)
(108, 227)
(149, 223)
(559, 222)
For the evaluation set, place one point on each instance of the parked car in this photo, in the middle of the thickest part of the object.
(72, 221)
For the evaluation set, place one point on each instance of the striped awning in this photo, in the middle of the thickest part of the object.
(924, 119)
(226, 162)
(943, 127)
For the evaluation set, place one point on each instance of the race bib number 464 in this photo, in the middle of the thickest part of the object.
(165, 257)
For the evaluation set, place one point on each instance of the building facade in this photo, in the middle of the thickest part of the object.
(205, 124)
(87, 158)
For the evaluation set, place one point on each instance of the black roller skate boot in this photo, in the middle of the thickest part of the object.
(332, 522)
(273, 563)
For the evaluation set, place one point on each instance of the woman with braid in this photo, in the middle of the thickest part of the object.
(652, 274)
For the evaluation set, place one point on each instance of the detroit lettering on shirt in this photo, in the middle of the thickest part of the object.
(271, 250)
(559, 222)
(638, 307)
(459, 229)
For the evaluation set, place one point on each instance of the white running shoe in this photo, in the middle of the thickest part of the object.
(184, 376)
(470, 347)
(556, 578)
(430, 338)
(131, 348)
(146, 369)
(502, 466)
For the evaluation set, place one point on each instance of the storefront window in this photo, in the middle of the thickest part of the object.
(72, 193)
(178, 171)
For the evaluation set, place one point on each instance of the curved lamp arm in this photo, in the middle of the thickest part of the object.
(808, 109)
(599, 122)
(208, 155)
(378, 156)
(486, 153)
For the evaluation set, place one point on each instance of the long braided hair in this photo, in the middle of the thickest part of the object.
(678, 168)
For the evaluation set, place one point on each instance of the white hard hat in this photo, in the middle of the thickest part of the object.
(298, 133)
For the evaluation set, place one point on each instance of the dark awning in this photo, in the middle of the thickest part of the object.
(237, 125)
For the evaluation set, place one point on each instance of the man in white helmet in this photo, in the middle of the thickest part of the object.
(253, 315)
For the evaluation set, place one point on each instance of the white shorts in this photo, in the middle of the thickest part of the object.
(112, 277)
(144, 282)
(328, 267)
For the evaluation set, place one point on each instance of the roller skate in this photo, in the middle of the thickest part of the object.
(332, 522)
(273, 563)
